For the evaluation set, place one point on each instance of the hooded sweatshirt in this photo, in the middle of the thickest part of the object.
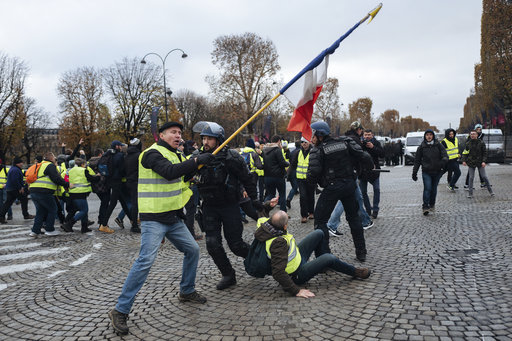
(431, 156)
(278, 256)
(274, 163)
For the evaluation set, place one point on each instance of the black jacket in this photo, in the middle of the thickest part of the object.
(376, 152)
(159, 164)
(274, 163)
(220, 181)
(101, 185)
(336, 158)
(474, 153)
(431, 156)
(131, 164)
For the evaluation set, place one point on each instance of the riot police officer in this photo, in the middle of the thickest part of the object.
(331, 165)
(219, 187)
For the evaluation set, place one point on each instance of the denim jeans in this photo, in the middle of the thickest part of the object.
(482, 174)
(308, 270)
(3, 199)
(430, 182)
(334, 220)
(83, 209)
(453, 166)
(295, 187)
(45, 207)
(376, 194)
(151, 239)
(272, 184)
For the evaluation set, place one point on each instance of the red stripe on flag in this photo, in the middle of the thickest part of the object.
(301, 119)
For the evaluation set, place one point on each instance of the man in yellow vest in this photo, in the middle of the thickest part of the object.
(162, 193)
(451, 143)
(306, 189)
(289, 260)
(260, 172)
(3, 181)
(42, 191)
(81, 177)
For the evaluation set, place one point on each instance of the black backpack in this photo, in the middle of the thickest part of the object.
(105, 166)
(257, 263)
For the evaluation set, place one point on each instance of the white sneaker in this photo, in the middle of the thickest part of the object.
(52, 233)
(32, 234)
(335, 233)
(370, 225)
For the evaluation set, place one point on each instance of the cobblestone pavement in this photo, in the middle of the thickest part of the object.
(441, 277)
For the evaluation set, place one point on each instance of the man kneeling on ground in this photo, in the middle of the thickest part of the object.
(289, 261)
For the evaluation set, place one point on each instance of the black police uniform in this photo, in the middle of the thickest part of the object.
(219, 187)
(331, 165)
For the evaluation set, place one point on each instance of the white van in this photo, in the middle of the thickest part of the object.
(412, 142)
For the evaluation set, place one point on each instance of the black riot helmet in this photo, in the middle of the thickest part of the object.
(214, 130)
(320, 128)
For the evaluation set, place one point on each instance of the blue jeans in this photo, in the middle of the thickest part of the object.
(453, 166)
(430, 182)
(334, 220)
(272, 184)
(295, 187)
(45, 207)
(83, 208)
(150, 241)
(122, 213)
(376, 194)
(308, 270)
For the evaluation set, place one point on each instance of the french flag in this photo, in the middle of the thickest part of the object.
(303, 91)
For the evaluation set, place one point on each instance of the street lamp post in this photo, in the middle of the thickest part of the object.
(143, 61)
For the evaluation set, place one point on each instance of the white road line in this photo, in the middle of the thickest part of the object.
(16, 233)
(23, 267)
(97, 246)
(56, 273)
(9, 230)
(4, 241)
(19, 246)
(32, 253)
(5, 285)
(81, 260)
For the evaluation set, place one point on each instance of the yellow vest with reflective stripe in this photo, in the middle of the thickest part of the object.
(248, 150)
(79, 180)
(157, 194)
(260, 172)
(302, 165)
(294, 257)
(3, 176)
(62, 171)
(452, 149)
(43, 181)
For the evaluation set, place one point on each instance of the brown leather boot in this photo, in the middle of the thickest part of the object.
(362, 273)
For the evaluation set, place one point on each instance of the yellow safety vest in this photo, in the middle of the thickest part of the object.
(79, 180)
(302, 165)
(3, 176)
(157, 194)
(248, 150)
(294, 257)
(43, 181)
(452, 149)
(62, 171)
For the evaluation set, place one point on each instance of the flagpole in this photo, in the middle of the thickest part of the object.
(317, 60)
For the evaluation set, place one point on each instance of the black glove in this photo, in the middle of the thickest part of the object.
(205, 158)
(415, 176)
(258, 206)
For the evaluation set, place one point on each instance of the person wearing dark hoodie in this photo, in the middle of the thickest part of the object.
(289, 261)
(432, 158)
(475, 156)
(481, 135)
(274, 166)
(131, 165)
(14, 188)
(451, 144)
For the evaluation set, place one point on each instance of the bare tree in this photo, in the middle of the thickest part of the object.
(12, 86)
(36, 125)
(361, 110)
(81, 94)
(247, 65)
(135, 89)
(328, 103)
(193, 108)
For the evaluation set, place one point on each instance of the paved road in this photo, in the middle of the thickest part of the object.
(441, 277)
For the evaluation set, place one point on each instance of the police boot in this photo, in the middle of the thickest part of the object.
(227, 281)
(85, 227)
(68, 226)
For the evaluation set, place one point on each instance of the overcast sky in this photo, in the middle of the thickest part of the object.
(416, 56)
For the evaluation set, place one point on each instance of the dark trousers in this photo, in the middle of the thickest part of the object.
(11, 198)
(134, 212)
(343, 190)
(117, 194)
(190, 210)
(261, 188)
(273, 184)
(453, 167)
(307, 197)
(224, 218)
(46, 208)
(295, 186)
(104, 201)
(430, 182)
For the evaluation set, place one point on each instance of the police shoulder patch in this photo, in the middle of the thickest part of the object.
(335, 147)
